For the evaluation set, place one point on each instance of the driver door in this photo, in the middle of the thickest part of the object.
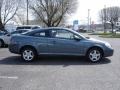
(63, 42)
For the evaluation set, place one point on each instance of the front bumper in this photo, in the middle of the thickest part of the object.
(108, 52)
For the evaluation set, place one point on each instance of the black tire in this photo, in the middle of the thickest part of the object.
(31, 54)
(95, 55)
(1, 43)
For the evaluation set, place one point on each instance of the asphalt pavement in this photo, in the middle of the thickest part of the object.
(60, 72)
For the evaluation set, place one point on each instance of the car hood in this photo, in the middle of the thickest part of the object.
(96, 40)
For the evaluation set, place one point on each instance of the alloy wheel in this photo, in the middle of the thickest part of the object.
(95, 55)
(28, 55)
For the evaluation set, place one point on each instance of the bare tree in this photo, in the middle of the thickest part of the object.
(8, 9)
(111, 15)
(102, 15)
(52, 12)
(20, 18)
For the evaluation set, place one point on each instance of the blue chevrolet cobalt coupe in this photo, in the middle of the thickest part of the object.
(58, 41)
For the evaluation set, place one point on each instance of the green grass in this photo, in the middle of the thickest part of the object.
(100, 33)
(111, 36)
(107, 35)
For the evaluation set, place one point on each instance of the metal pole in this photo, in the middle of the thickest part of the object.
(90, 23)
(104, 18)
(27, 11)
(88, 19)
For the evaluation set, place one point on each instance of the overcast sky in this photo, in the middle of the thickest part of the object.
(95, 6)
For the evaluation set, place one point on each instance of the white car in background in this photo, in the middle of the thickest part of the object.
(5, 38)
(117, 30)
(32, 27)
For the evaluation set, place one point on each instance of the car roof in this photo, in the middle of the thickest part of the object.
(43, 29)
(48, 28)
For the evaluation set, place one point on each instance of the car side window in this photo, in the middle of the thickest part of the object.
(63, 34)
(40, 34)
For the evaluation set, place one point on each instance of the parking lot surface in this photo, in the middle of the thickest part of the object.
(60, 72)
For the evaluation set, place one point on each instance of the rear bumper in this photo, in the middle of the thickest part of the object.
(108, 52)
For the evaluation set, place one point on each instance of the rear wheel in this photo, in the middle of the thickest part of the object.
(94, 55)
(28, 54)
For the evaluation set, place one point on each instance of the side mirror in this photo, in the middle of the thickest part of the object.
(77, 38)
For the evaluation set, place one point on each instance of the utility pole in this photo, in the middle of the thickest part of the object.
(90, 24)
(27, 11)
(88, 19)
(104, 18)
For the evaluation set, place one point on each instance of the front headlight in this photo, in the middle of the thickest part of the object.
(108, 45)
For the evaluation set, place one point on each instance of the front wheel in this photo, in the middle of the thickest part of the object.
(94, 55)
(28, 54)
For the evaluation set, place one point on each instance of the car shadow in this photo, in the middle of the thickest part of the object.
(52, 60)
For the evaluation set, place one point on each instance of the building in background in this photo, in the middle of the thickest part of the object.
(75, 25)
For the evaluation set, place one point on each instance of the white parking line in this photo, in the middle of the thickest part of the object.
(8, 77)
